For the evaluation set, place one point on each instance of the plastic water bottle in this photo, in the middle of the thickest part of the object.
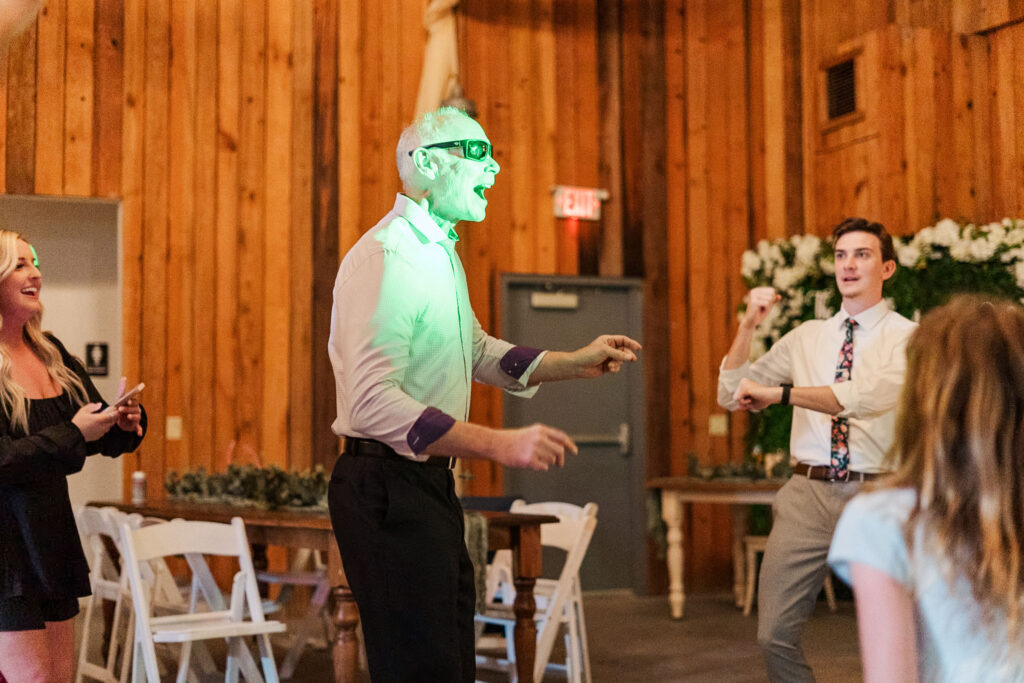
(138, 487)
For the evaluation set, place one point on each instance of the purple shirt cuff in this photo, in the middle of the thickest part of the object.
(518, 358)
(430, 426)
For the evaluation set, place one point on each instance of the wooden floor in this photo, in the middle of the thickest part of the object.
(633, 640)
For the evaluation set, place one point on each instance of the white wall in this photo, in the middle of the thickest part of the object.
(78, 241)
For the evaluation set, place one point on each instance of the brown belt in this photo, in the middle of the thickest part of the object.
(376, 449)
(826, 473)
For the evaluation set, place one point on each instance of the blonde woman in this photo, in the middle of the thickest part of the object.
(936, 554)
(51, 418)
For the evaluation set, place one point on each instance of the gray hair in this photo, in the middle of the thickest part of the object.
(427, 129)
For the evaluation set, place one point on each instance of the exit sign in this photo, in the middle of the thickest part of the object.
(578, 202)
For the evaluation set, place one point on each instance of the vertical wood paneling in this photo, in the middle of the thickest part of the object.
(981, 139)
(3, 121)
(52, 25)
(154, 228)
(251, 194)
(1005, 124)
(369, 116)
(202, 401)
(678, 258)
(277, 255)
(300, 421)
(108, 98)
(253, 144)
(226, 242)
(1015, 35)
(181, 271)
(566, 108)
(325, 213)
(483, 246)
(350, 46)
(697, 214)
(132, 177)
(21, 113)
(609, 101)
(78, 99)
(542, 78)
(520, 172)
(587, 133)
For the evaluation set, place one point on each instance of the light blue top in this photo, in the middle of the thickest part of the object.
(955, 643)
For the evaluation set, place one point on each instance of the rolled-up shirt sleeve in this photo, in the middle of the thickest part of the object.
(876, 391)
(381, 306)
(771, 369)
(501, 364)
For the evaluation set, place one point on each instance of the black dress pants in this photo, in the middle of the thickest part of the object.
(399, 528)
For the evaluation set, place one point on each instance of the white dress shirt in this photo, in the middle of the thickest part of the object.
(404, 340)
(807, 357)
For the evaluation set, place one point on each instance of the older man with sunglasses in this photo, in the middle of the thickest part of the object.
(405, 345)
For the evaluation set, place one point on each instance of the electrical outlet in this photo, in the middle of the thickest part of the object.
(172, 430)
(718, 425)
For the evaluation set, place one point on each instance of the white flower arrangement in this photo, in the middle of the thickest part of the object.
(936, 261)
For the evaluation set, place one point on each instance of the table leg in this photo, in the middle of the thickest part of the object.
(740, 514)
(525, 632)
(526, 567)
(345, 616)
(260, 563)
(672, 513)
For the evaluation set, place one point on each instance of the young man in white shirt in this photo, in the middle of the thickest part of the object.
(843, 376)
(404, 346)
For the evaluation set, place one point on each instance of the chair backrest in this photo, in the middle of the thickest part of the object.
(96, 530)
(572, 533)
(193, 540)
(101, 539)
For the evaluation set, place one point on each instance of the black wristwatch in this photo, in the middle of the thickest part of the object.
(785, 394)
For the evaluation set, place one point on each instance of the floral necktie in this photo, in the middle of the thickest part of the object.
(840, 462)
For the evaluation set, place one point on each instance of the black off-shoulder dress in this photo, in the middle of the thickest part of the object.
(40, 551)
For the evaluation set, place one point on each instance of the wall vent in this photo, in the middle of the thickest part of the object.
(841, 91)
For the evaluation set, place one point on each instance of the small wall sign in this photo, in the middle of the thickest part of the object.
(96, 359)
(578, 202)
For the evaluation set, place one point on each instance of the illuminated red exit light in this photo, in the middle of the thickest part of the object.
(583, 203)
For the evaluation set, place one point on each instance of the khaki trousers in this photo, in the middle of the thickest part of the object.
(793, 570)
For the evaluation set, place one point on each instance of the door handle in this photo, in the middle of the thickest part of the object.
(621, 439)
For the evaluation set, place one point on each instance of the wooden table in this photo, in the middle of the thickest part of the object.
(739, 495)
(312, 529)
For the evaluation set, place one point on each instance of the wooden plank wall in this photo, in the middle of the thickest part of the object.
(251, 144)
(748, 160)
(207, 138)
(532, 68)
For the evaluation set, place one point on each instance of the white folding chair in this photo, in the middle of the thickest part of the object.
(100, 531)
(559, 601)
(316, 615)
(242, 618)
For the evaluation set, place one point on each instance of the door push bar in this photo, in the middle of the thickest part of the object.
(622, 439)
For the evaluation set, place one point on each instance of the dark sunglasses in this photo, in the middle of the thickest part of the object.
(476, 150)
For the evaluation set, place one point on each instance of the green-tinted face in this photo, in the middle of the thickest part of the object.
(457, 192)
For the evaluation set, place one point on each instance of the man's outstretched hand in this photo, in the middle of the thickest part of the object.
(536, 447)
(607, 353)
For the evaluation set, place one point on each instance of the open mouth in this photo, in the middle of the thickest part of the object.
(30, 291)
(480, 189)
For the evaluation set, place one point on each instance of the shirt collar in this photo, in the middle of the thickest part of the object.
(867, 318)
(421, 220)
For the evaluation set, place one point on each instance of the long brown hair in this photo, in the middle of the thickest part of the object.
(960, 437)
(12, 396)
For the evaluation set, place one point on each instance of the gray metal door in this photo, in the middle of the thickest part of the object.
(605, 416)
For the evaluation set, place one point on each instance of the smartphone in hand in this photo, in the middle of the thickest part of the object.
(123, 398)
